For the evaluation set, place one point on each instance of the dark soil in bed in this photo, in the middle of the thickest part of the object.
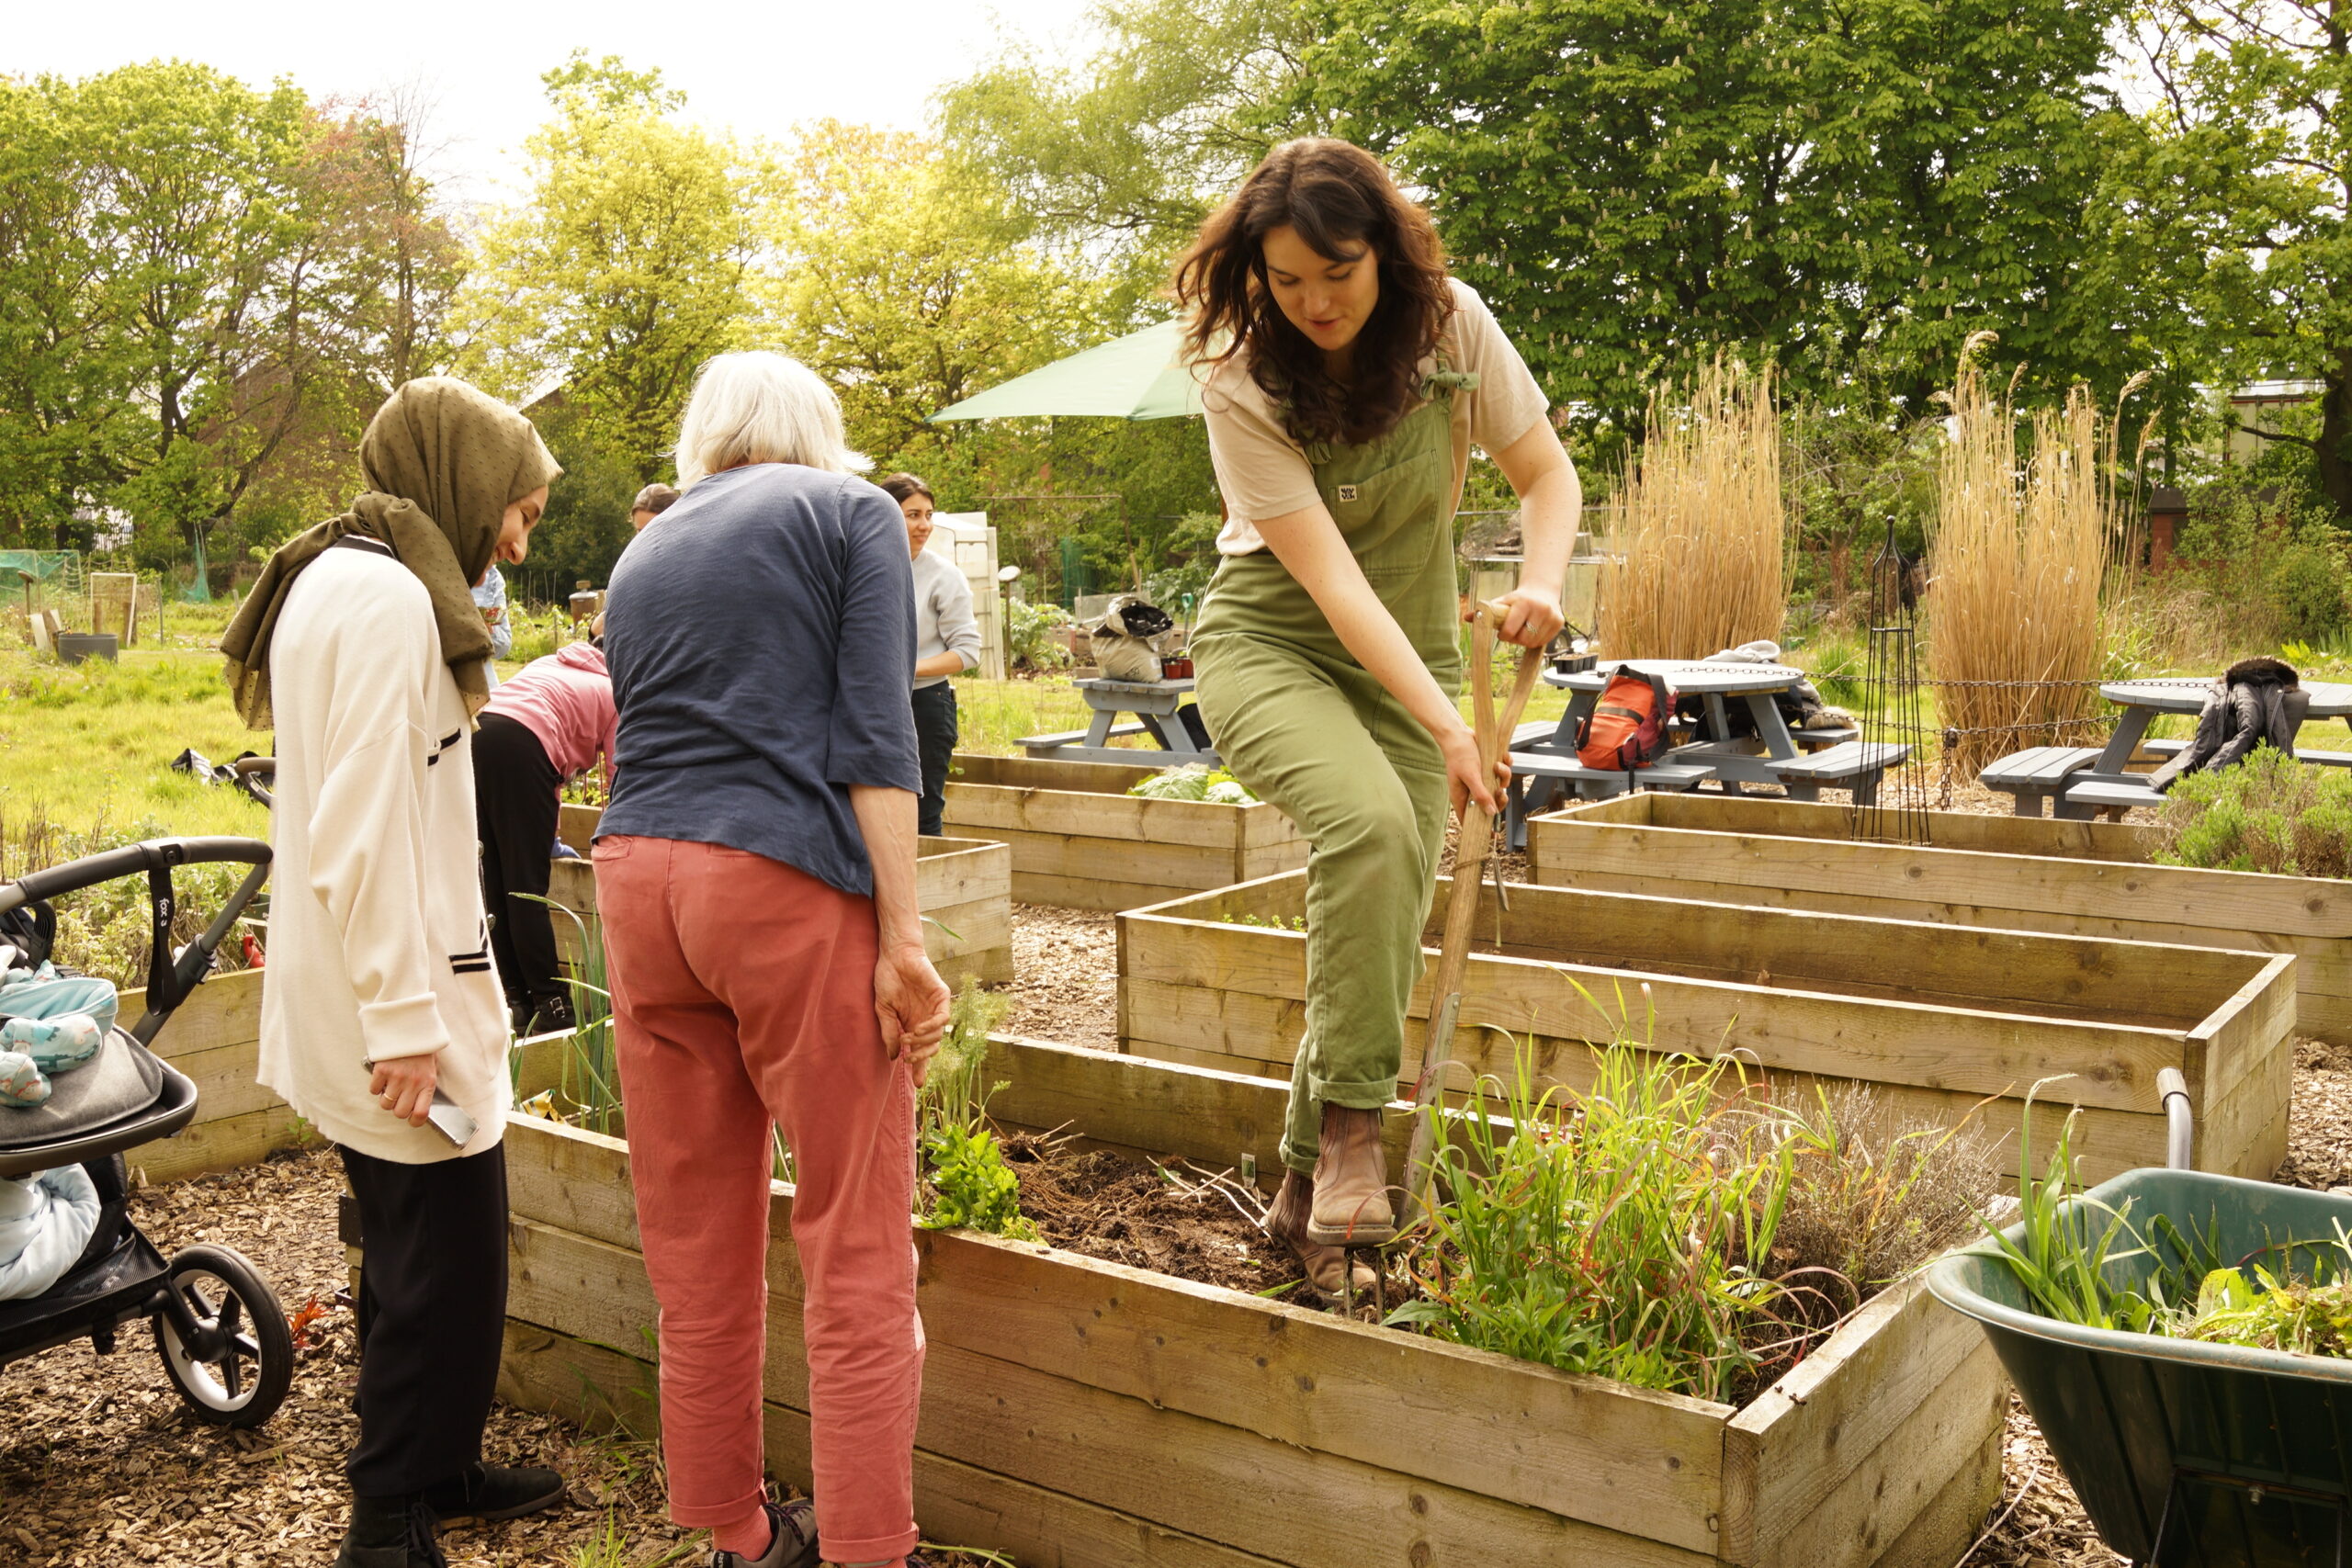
(1171, 1219)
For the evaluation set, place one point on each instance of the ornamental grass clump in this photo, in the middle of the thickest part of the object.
(2269, 812)
(1611, 1232)
(1698, 548)
(2021, 543)
(1675, 1225)
(1875, 1194)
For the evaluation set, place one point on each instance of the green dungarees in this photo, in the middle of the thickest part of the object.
(1300, 722)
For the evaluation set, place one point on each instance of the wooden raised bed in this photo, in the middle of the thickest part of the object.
(1938, 1019)
(963, 885)
(2025, 873)
(1079, 1413)
(215, 1038)
(1078, 839)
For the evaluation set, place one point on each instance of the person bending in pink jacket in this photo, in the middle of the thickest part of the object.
(547, 725)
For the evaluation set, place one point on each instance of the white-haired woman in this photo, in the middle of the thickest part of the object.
(756, 868)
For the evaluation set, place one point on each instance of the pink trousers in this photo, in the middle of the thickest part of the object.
(743, 993)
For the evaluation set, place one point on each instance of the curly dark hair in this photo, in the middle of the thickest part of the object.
(1339, 197)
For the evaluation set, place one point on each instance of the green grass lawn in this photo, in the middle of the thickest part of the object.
(89, 746)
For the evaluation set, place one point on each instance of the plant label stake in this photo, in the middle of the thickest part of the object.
(1470, 854)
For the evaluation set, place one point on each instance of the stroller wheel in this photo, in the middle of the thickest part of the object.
(235, 1369)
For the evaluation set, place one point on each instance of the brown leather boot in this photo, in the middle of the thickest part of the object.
(1286, 1220)
(1351, 1183)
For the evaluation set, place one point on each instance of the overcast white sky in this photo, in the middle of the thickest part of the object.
(757, 68)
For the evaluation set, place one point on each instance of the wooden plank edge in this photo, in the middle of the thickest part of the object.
(603, 1389)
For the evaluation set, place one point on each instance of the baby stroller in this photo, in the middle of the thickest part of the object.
(224, 1339)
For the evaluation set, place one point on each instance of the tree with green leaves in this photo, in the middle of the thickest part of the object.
(1633, 183)
(626, 267)
(1114, 161)
(901, 280)
(2243, 189)
(63, 409)
(188, 281)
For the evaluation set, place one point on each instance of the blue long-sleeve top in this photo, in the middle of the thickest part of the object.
(761, 636)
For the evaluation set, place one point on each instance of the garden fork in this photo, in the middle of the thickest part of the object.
(1470, 856)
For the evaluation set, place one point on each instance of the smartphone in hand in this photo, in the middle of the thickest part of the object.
(450, 1120)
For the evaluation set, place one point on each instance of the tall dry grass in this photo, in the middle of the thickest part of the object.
(1698, 534)
(2021, 543)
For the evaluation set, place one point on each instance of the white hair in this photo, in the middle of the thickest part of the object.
(759, 407)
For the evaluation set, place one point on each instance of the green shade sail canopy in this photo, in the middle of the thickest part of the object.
(1135, 376)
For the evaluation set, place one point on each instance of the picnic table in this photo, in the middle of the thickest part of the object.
(2080, 780)
(1154, 703)
(1774, 755)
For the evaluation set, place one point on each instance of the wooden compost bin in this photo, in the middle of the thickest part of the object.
(1078, 839)
(1936, 1019)
(1084, 1415)
(215, 1038)
(2025, 873)
(965, 886)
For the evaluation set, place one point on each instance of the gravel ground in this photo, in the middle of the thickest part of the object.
(1066, 977)
(102, 1465)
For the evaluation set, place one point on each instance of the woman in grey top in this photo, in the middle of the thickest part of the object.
(947, 641)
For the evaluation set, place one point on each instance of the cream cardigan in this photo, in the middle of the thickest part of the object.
(378, 947)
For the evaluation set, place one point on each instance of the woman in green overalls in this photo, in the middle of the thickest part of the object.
(1345, 376)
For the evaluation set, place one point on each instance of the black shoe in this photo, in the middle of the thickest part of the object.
(550, 1015)
(494, 1492)
(793, 1545)
(391, 1533)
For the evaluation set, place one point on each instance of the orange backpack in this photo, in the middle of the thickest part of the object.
(1627, 727)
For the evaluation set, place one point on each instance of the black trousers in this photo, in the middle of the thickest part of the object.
(517, 801)
(935, 736)
(432, 1315)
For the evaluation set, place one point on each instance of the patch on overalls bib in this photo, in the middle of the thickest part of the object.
(1347, 492)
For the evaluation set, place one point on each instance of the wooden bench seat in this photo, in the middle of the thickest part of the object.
(1532, 731)
(1854, 765)
(2037, 774)
(1567, 770)
(1072, 736)
(1536, 776)
(2103, 793)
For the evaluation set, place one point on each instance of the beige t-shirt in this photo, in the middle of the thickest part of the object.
(1264, 473)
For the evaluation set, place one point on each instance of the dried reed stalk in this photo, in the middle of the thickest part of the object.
(2019, 548)
(1699, 540)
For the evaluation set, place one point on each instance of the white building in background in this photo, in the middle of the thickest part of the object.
(968, 540)
(2265, 406)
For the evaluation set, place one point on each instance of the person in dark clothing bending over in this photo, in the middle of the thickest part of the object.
(550, 723)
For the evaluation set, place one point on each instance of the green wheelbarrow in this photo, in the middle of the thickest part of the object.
(2213, 1456)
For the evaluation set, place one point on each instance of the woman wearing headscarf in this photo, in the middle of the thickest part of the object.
(362, 644)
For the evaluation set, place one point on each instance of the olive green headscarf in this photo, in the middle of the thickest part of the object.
(443, 461)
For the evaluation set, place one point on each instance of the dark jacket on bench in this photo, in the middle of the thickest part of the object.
(2258, 700)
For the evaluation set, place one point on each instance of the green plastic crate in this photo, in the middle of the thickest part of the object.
(2260, 1439)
